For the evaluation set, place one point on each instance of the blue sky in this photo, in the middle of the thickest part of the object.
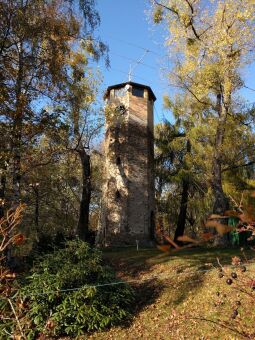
(126, 29)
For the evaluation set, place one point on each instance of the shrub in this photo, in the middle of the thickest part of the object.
(57, 307)
(9, 238)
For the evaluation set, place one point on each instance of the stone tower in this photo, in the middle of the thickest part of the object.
(128, 194)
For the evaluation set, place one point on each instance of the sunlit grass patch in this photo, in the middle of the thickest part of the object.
(191, 300)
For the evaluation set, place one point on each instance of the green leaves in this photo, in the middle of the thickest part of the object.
(66, 286)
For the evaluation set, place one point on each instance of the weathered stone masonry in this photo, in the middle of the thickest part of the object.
(128, 193)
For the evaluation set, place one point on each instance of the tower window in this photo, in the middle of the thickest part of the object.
(118, 161)
(137, 92)
(117, 195)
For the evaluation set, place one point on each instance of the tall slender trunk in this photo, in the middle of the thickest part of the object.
(6, 253)
(183, 210)
(2, 194)
(36, 212)
(83, 224)
(184, 203)
(17, 131)
(221, 203)
(16, 143)
(220, 199)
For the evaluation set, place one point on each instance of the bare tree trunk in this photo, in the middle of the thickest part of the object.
(83, 224)
(184, 204)
(183, 210)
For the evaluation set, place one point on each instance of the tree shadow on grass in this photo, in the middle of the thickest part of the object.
(130, 266)
(198, 257)
(146, 294)
(186, 270)
(186, 286)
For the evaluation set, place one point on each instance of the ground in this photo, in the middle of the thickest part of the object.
(180, 295)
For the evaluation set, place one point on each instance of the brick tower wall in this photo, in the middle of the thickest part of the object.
(128, 193)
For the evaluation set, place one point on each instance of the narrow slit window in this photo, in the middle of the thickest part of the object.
(117, 195)
(118, 161)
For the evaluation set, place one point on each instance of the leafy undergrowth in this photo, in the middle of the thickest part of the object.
(181, 296)
(68, 292)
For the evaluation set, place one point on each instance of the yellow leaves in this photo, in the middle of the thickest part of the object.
(158, 15)
(78, 58)
(222, 28)
(114, 115)
(227, 87)
(186, 19)
(89, 47)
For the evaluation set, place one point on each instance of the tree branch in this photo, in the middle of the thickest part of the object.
(238, 166)
(167, 8)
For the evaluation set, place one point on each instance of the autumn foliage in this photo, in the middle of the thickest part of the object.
(9, 238)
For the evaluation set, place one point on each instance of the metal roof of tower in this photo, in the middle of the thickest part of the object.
(117, 86)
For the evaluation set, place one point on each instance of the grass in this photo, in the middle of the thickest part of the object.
(180, 296)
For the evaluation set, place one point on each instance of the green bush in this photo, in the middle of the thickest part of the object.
(54, 311)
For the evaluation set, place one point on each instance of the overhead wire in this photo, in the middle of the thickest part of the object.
(134, 45)
(133, 60)
(156, 111)
(152, 277)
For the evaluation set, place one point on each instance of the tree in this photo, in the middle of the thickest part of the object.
(35, 42)
(184, 152)
(177, 174)
(211, 41)
(85, 124)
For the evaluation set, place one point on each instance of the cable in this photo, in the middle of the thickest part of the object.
(157, 114)
(136, 63)
(124, 282)
(119, 282)
(133, 60)
(132, 44)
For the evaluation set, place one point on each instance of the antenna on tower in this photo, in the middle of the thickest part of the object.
(129, 73)
(136, 63)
